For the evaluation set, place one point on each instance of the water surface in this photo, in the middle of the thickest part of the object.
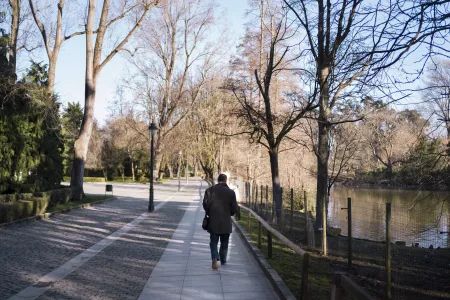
(417, 216)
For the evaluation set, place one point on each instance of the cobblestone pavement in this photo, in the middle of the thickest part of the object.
(28, 251)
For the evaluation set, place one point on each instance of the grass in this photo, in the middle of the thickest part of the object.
(289, 265)
(86, 200)
(164, 180)
(417, 273)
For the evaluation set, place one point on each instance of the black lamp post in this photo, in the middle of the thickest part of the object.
(153, 129)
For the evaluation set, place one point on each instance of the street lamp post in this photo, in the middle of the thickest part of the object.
(152, 128)
(179, 170)
(187, 171)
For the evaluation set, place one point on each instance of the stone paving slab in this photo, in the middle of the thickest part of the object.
(184, 271)
(118, 271)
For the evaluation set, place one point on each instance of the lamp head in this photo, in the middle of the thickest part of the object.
(153, 129)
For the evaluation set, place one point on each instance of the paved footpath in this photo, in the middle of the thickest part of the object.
(118, 251)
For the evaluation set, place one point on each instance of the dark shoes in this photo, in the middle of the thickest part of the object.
(215, 265)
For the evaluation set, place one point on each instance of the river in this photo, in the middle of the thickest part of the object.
(417, 216)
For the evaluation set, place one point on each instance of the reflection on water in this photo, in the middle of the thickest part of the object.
(417, 216)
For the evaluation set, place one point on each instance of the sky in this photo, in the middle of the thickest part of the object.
(70, 69)
(71, 64)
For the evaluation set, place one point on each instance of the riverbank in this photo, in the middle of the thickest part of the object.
(391, 186)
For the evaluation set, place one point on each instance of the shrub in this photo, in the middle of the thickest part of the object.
(39, 205)
(86, 179)
(15, 197)
(60, 196)
(7, 212)
(144, 179)
(20, 209)
(21, 206)
(93, 179)
(126, 178)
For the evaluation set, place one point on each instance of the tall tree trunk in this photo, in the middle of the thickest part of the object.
(323, 152)
(12, 52)
(157, 160)
(195, 166)
(169, 167)
(82, 141)
(276, 184)
(132, 169)
(105, 173)
(52, 72)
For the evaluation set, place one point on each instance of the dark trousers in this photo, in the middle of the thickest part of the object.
(222, 253)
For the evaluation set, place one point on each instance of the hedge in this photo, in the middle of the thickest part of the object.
(37, 204)
(60, 196)
(22, 209)
(87, 179)
(15, 197)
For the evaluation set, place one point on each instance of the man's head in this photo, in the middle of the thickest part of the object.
(222, 178)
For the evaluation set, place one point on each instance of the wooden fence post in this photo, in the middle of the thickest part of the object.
(256, 198)
(337, 292)
(248, 222)
(292, 207)
(261, 201)
(388, 251)
(350, 238)
(269, 244)
(305, 274)
(259, 234)
(282, 211)
(305, 208)
(324, 227)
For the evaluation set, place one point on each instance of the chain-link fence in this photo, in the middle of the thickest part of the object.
(397, 251)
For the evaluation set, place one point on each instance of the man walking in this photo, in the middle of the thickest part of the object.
(220, 204)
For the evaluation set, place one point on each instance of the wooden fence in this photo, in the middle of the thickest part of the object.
(270, 231)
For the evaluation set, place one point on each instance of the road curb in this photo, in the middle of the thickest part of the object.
(46, 216)
(278, 284)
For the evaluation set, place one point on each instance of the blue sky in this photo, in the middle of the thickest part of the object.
(71, 65)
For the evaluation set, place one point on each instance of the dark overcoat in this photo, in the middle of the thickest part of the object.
(220, 204)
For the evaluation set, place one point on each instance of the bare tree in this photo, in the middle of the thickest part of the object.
(437, 93)
(95, 61)
(53, 36)
(15, 19)
(391, 135)
(269, 127)
(348, 44)
(174, 65)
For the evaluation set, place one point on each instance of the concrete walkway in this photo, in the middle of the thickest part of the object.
(184, 270)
